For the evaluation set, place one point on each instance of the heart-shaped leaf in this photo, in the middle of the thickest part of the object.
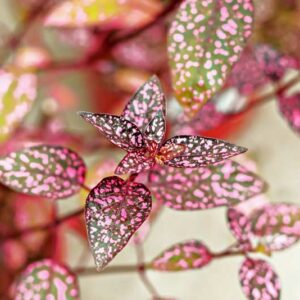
(17, 94)
(228, 183)
(258, 280)
(200, 151)
(115, 209)
(206, 39)
(119, 131)
(145, 104)
(45, 280)
(277, 226)
(290, 110)
(48, 171)
(183, 256)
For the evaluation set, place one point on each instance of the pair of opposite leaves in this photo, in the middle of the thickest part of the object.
(115, 208)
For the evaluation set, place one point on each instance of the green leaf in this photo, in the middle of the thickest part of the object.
(206, 38)
(17, 94)
(183, 256)
(46, 279)
(113, 14)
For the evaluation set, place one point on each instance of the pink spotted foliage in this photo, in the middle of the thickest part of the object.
(183, 256)
(273, 63)
(225, 184)
(273, 227)
(240, 227)
(46, 279)
(289, 107)
(206, 119)
(141, 128)
(258, 280)
(115, 209)
(277, 225)
(49, 171)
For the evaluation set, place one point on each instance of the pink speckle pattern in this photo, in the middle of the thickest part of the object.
(226, 184)
(119, 131)
(240, 226)
(135, 162)
(277, 226)
(46, 279)
(206, 39)
(258, 280)
(115, 209)
(206, 119)
(247, 75)
(183, 256)
(200, 151)
(141, 130)
(49, 171)
(289, 107)
(273, 63)
(17, 95)
(143, 107)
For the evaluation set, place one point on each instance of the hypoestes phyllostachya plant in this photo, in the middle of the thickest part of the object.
(213, 74)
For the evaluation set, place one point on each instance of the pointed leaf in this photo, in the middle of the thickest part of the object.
(48, 171)
(135, 162)
(200, 151)
(190, 189)
(46, 279)
(119, 131)
(277, 226)
(17, 94)
(145, 104)
(206, 39)
(183, 256)
(115, 209)
(258, 280)
(156, 129)
(290, 110)
(240, 227)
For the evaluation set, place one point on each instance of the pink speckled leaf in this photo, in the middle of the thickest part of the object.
(258, 280)
(277, 226)
(206, 39)
(107, 14)
(290, 109)
(200, 151)
(119, 131)
(115, 209)
(240, 227)
(156, 129)
(46, 279)
(145, 104)
(247, 75)
(229, 183)
(272, 63)
(135, 162)
(17, 95)
(183, 256)
(206, 119)
(49, 171)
